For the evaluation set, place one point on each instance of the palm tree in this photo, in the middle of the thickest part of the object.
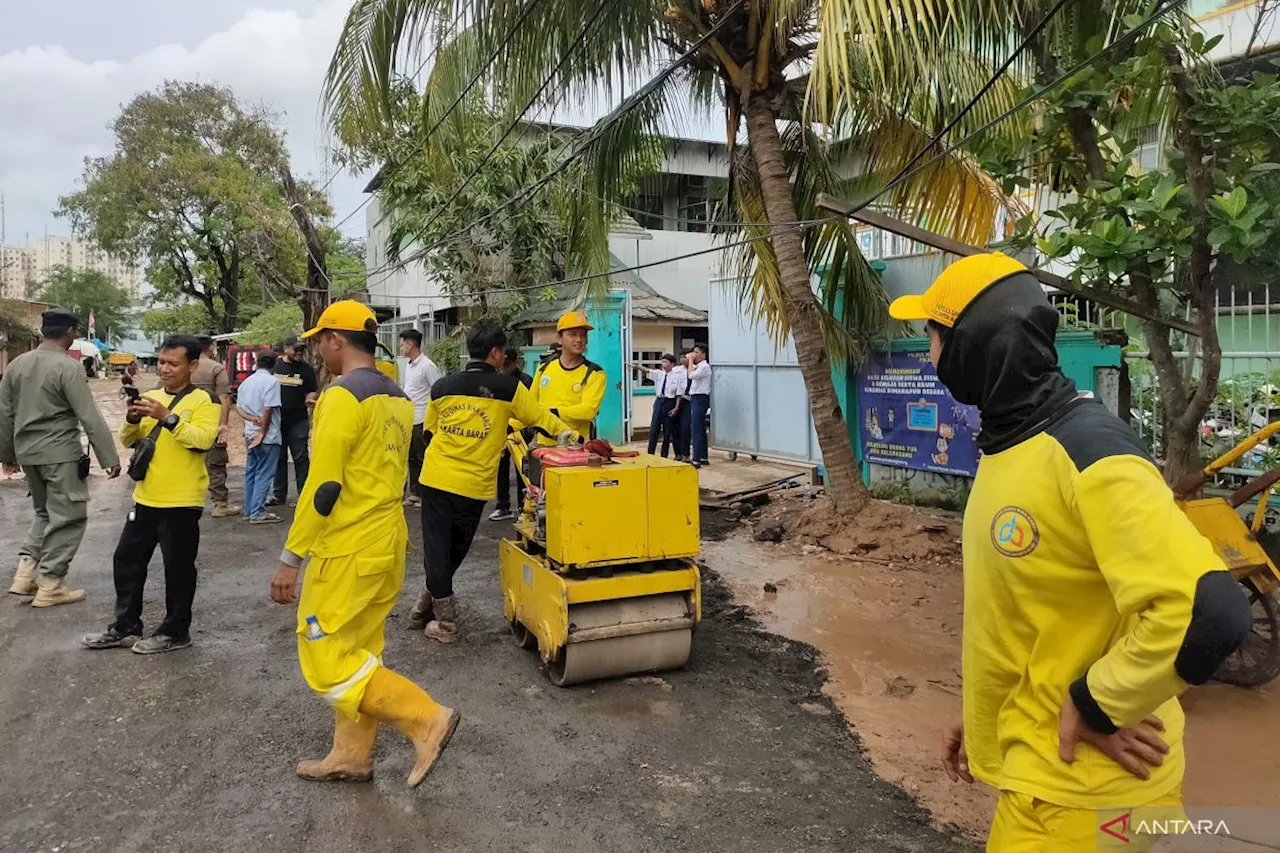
(747, 60)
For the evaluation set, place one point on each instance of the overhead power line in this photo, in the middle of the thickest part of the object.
(779, 228)
(630, 103)
(390, 168)
(568, 54)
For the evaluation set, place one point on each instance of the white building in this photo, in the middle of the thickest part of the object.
(22, 268)
(671, 210)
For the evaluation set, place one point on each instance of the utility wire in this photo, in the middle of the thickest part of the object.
(416, 72)
(781, 228)
(629, 104)
(1128, 36)
(986, 87)
(392, 167)
(568, 54)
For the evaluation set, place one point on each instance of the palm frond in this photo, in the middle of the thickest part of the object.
(375, 37)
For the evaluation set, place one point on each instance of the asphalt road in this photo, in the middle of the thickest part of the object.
(194, 751)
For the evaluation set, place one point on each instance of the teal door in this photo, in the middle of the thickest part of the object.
(609, 346)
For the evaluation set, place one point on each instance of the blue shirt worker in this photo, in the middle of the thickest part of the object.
(258, 400)
(350, 523)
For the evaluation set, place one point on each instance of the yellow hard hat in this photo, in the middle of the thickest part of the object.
(957, 286)
(573, 320)
(346, 315)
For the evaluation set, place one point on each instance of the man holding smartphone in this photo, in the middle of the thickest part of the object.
(180, 423)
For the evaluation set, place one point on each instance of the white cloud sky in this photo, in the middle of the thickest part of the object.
(62, 82)
(67, 66)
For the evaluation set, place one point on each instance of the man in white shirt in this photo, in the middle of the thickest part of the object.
(419, 375)
(678, 382)
(699, 403)
(666, 393)
(258, 402)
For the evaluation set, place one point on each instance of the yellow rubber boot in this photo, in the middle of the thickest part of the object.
(24, 580)
(351, 759)
(395, 700)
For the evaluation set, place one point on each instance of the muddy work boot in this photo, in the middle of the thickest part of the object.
(226, 510)
(24, 580)
(52, 592)
(395, 700)
(443, 626)
(420, 613)
(351, 759)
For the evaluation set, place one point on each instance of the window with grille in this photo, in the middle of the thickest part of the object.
(650, 359)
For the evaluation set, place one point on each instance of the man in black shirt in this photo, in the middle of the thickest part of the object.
(297, 386)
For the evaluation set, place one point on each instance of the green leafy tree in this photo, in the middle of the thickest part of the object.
(14, 327)
(745, 60)
(191, 318)
(444, 190)
(85, 292)
(1162, 222)
(196, 185)
(273, 325)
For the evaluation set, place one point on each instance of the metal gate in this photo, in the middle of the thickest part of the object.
(759, 405)
(610, 347)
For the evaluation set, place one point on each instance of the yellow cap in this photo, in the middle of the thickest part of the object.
(346, 315)
(953, 290)
(573, 320)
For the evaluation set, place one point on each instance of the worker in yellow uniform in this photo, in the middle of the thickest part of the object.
(1091, 601)
(465, 429)
(351, 525)
(570, 386)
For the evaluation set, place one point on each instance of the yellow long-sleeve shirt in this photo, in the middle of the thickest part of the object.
(1083, 577)
(359, 460)
(467, 421)
(176, 476)
(574, 395)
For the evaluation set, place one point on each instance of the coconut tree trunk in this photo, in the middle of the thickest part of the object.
(844, 479)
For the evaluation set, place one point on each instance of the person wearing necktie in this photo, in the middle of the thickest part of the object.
(665, 392)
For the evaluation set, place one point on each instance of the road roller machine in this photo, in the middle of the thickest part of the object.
(600, 577)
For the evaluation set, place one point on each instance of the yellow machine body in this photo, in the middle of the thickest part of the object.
(633, 510)
(1233, 541)
(610, 588)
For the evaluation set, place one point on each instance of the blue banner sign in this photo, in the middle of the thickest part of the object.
(910, 420)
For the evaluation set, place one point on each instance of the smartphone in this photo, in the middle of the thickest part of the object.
(132, 393)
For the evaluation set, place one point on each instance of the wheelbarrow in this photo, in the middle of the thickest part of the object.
(1243, 547)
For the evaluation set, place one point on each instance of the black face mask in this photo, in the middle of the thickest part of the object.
(1000, 357)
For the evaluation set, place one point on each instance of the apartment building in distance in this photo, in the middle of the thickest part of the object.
(23, 267)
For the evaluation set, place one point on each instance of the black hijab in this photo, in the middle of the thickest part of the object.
(1000, 357)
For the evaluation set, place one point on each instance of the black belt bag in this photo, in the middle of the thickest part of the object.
(145, 450)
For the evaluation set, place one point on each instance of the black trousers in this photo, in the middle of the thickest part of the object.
(449, 524)
(417, 452)
(504, 483)
(294, 432)
(177, 532)
(682, 429)
(660, 424)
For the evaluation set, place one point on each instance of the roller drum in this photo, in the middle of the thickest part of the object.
(624, 637)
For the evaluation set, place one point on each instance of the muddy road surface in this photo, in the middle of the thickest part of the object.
(194, 751)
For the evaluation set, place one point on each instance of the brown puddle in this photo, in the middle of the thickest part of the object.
(890, 638)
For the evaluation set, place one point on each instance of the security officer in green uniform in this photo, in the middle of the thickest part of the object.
(44, 401)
